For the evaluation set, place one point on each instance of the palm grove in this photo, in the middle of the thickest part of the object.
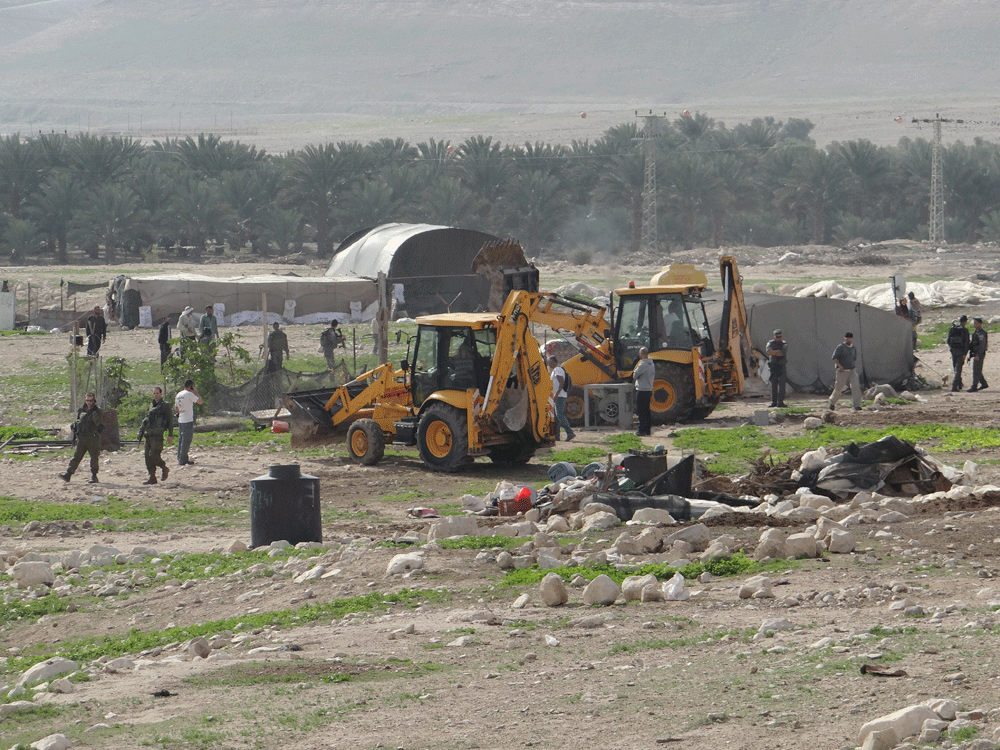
(761, 183)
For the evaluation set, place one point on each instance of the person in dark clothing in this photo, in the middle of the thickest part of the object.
(88, 427)
(158, 420)
(329, 340)
(164, 340)
(97, 332)
(958, 344)
(777, 351)
(978, 345)
(277, 346)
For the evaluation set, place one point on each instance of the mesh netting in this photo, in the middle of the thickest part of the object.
(266, 390)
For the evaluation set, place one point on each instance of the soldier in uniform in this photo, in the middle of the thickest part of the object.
(277, 347)
(958, 345)
(329, 340)
(977, 353)
(777, 351)
(158, 419)
(88, 428)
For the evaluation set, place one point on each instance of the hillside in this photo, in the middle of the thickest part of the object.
(286, 73)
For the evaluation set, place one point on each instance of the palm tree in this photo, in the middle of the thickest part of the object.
(53, 209)
(110, 218)
(21, 236)
(483, 165)
(388, 152)
(816, 183)
(695, 128)
(154, 185)
(316, 180)
(534, 207)
(369, 204)
(210, 157)
(281, 228)
(693, 187)
(99, 160)
(621, 185)
(868, 166)
(199, 213)
(448, 201)
(437, 155)
(22, 171)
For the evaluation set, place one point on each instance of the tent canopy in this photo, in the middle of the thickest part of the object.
(813, 326)
(432, 263)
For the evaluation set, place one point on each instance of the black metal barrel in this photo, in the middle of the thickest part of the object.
(284, 504)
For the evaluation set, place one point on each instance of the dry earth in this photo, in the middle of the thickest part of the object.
(683, 674)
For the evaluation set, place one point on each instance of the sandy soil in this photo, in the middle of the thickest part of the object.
(628, 676)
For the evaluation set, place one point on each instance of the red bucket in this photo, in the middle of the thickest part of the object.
(277, 426)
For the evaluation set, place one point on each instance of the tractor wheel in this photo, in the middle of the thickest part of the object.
(702, 412)
(574, 406)
(515, 454)
(673, 393)
(365, 442)
(443, 437)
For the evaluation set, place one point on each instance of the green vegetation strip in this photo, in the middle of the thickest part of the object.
(84, 650)
(15, 510)
(731, 565)
(739, 447)
(23, 433)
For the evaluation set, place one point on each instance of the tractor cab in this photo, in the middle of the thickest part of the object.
(660, 320)
(452, 354)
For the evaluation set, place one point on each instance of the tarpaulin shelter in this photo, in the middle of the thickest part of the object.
(814, 326)
(315, 299)
(432, 263)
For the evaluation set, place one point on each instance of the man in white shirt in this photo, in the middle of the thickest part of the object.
(184, 403)
(558, 376)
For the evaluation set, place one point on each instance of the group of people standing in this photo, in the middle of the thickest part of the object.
(965, 346)
(159, 419)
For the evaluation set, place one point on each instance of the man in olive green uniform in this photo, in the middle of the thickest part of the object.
(158, 419)
(88, 429)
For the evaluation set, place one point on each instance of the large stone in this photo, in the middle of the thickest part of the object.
(770, 545)
(943, 707)
(29, 574)
(547, 561)
(553, 590)
(632, 587)
(557, 524)
(52, 742)
(626, 544)
(697, 535)
(198, 646)
(882, 739)
(602, 590)
(893, 517)
(46, 670)
(650, 540)
(758, 587)
(600, 521)
(801, 545)
(818, 502)
(449, 526)
(404, 563)
(653, 515)
(6, 709)
(906, 722)
(841, 542)
(775, 624)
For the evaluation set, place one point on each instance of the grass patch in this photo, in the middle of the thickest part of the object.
(14, 510)
(17, 432)
(135, 641)
(32, 610)
(482, 542)
(737, 564)
(738, 447)
(929, 336)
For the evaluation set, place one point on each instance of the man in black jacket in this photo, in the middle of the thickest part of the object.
(97, 332)
(958, 345)
(164, 340)
(88, 427)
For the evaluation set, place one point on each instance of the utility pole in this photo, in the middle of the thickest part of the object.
(936, 219)
(650, 132)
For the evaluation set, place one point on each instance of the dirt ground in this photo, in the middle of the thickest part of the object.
(683, 674)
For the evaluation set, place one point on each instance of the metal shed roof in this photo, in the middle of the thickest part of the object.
(408, 250)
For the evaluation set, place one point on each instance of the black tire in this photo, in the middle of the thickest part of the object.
(443, 437)
(574, 406)
(702, 412)
(515, 454)
(673, 393)
(365, 442)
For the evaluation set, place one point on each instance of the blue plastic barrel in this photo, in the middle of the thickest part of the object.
(284, 504)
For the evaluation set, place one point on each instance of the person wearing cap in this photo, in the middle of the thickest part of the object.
(777, 351)
(978, 345)
(845, 357)
(958, 344)
(187, 326)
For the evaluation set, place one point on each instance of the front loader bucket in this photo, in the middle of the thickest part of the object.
(309, 421)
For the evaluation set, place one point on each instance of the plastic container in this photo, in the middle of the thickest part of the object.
(284, 504)
(277, 426)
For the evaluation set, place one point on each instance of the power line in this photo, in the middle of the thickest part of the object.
(650, 132)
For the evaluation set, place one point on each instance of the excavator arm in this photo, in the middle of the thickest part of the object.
(734, 352)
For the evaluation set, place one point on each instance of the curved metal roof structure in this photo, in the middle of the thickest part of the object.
(408, 251)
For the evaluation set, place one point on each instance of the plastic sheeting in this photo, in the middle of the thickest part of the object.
(316, 300)
(814, 326)
(935, 294)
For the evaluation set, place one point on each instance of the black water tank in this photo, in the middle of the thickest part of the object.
(284, 504)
